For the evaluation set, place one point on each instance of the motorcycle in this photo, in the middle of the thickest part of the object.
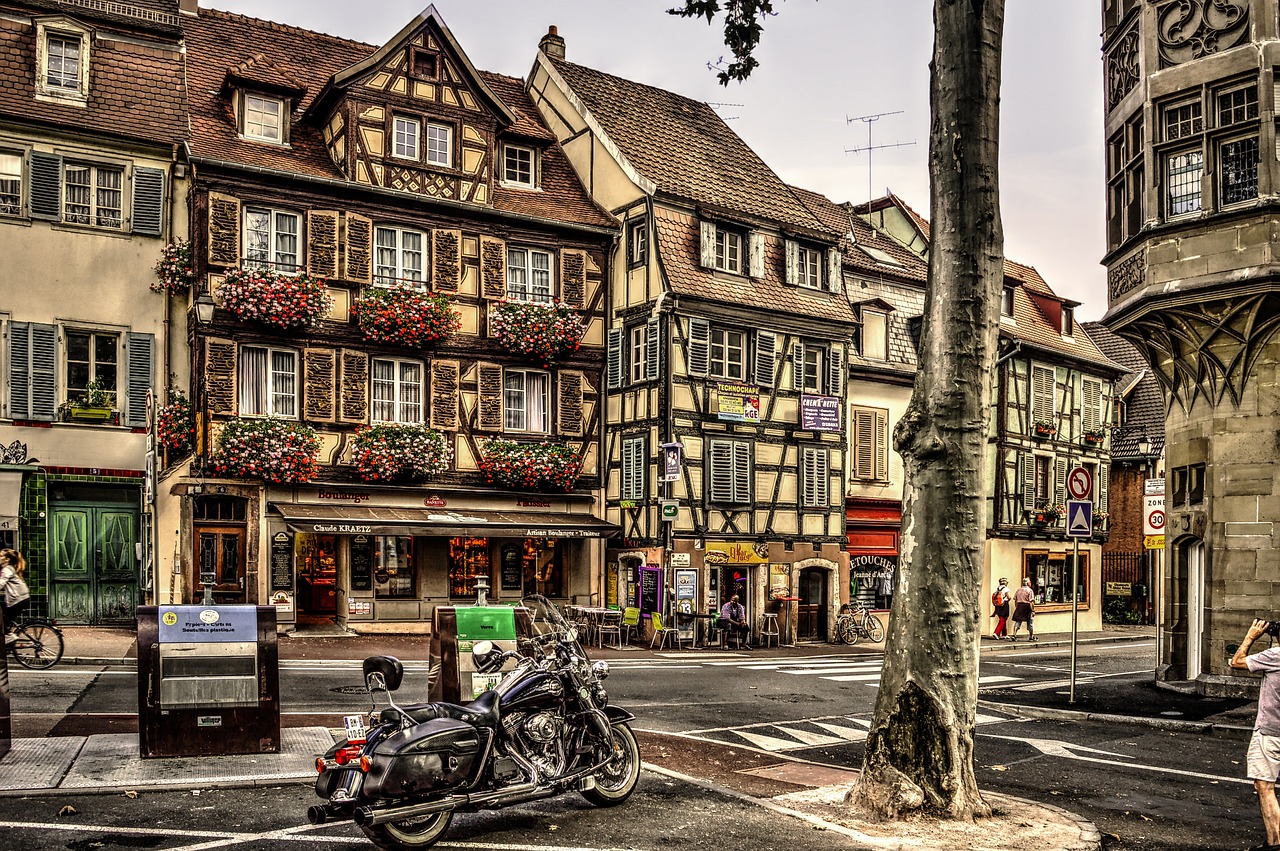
(544, 729)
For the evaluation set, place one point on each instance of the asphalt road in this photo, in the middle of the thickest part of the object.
(1145, 789)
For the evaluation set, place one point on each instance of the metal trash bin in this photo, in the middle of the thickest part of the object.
(208, 680)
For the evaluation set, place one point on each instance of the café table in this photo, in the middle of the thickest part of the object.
(593, 615)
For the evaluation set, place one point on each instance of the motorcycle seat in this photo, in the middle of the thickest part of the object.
(481, 712)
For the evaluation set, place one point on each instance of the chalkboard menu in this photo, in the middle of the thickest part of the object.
(361, 563)
(512, 568)
(650, 596)
(282, 562)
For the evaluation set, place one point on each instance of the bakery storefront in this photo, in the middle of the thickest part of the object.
(373, 567)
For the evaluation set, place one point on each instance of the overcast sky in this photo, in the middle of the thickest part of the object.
(822, 63)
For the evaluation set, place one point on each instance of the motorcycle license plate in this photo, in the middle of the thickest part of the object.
(355, 728)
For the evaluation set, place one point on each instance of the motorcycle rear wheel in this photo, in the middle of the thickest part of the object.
(422, 832)
(616, 781)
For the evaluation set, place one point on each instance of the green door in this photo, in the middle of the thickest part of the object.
(94, 574)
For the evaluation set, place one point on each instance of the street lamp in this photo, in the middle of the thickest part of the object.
(203, 308)
(1144, 447)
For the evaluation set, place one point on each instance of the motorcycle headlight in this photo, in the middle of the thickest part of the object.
(600, 670)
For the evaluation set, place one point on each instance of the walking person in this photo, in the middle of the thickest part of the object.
(1263, 757)
(1024, 603)
(1000, 600)
(15, 594)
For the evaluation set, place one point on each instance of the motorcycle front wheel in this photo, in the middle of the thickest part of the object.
(422, 832)
(617, 780)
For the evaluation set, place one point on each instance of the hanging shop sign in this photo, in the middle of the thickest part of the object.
(737, 403)
(820, 413)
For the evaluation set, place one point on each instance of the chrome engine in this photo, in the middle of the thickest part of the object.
(541, 739)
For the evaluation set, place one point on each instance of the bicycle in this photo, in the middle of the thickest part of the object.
(37, 643)
(854, 622)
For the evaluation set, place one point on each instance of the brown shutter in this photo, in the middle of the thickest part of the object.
(446, 260)
(220, 376)
(355, 387)
(322, 244)
(489, 404)
(493, 268)
(570, 399)
(573, 278)
(318, 383)
(444, 394)
(224, 230)
(358, 266)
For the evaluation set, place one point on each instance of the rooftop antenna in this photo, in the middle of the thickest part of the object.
(870, 120)
(717, 105)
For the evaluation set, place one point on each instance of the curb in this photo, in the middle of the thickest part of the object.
(1080, 716)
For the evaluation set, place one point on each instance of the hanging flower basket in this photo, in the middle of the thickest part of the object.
(540, 332)
(175, 272)
(531, 466)
(404, 316)
(1044, 428)
(271, 449)
(175, 424)
(273, 298)
(400, 452)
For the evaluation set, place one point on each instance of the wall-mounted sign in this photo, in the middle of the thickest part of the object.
(672, 454)
(361, 563)
(720, 552)
(1119, 589)
(738, 403)
(680, 560)
(670, 510)
(820, 413)
(512, 568)
(434, 501)
(1153, 542)
(779, 581)
(281, 562)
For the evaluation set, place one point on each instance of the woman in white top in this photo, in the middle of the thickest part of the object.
(15, 593)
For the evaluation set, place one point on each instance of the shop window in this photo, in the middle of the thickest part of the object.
(533, 566)
(317, 573)
(468, 558)
(1050, 575)
(393, 567)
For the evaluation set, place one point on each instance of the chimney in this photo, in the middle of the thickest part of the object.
(189, 7)
(552, 44)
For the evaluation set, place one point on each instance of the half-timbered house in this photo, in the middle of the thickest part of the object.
(406, 272)
(727, 339)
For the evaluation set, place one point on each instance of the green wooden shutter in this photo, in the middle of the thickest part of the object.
(699, 347)
(1091, 405)
(1042, 383)
(140, 350)
(1059, 480)
(46, 186)
(633, 468)
(33, 371)
(613, 368)
(148, 201)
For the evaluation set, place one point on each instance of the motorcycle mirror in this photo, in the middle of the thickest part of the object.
(486, 656)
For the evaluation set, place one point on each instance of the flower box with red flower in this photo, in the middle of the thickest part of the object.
(1044, 428)
(175, 270)
(544, 332)
(1095, 437)
(390, 452)
(275, 298)
(404, 316)
(547, 466)
(267, 448)
(175, 424)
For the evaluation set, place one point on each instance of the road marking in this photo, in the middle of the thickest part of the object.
(854, 678)
(1067, 750)
(1045, 686)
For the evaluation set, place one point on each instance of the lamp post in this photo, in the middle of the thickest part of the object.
(1144, 452)
(203, 308)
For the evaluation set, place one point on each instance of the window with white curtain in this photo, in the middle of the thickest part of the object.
(271, 239)
(93, 195)
(529, 275)
(268, 382)
(399, 256)
(526, 395)
(397, 391)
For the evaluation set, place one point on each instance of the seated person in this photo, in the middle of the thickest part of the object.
(733, 617)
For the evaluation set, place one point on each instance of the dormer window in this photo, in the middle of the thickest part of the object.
(62, 62)
(407, 133)
(424, 65)
(875, 334)
(518, 166)
(440, 144)
(728, 256)
(1006, 302)
(1068, 321)
(263, 118)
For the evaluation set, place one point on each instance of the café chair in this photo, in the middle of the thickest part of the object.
(630, 623)
(727, 632)
(662, 632)
(610, 625)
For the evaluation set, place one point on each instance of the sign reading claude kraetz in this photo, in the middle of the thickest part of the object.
(207, 624)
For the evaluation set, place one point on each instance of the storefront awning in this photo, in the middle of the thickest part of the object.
(10, 497)
(381, 520)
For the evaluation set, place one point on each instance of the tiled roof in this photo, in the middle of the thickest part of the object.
(678, 240)
(685, 148)
(869, 252)
(159, 16)
(135, 91)
(218, 41)
(264, 70)
(1031, 326)
(1144, 405)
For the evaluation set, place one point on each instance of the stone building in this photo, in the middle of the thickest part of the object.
(1192, 183)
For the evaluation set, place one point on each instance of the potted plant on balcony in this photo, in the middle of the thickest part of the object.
(93, 405)
(274, 298)
(175, 424)
(389, 452)
(546, 466)
(1095, 436)
(404, 316)
(541, 332)
(1047, 515)
(1044, 428)
(175, 272)
(1100, 519)
(267, 448)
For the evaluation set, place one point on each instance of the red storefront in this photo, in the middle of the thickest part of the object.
(873, 530)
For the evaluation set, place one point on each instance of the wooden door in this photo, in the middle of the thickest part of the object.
(93, 570)
(220, 564)
(811, 619)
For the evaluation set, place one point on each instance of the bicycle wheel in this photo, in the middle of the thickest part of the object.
(39, 645)
(875, 629)
(846, 629)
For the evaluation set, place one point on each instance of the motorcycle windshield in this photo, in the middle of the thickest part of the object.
(549, 620)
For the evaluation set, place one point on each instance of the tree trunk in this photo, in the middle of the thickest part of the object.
(919, 753)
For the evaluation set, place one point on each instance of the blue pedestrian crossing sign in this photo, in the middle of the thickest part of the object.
(1079, 518)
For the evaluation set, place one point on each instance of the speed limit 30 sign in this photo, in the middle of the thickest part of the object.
(1153, 514)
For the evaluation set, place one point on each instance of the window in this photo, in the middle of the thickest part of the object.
(1051, 574)
(425, 65)
(1238, 170)
(812, 370)
(263, 118)
(1193, 123)
(271, 239)
(62, 62)
(1182, 172)
(728, 251)
(1006, 302)
(525, 399)
(728, 353)
(815, 478)
(809, 268)
(468, 559)
(10, 184)
(439, 144)
(397, 391)
(870, 442)
(405, 135)
(393, 566)
(638, 354)
(1068, 321)
(93, 195)
(1182, 121)
(268, 382)
(1043, 480)
(529, 275)
(92, 354)
(1125, 177)
(729, 471)
(1188, 486)
(1236, 106)
(875, 334)
(517, 165)
(638, 242)
(634, 467)
(399, 255)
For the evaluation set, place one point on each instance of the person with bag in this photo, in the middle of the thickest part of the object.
(1024, 600)
(1000, 602)
(15, 592)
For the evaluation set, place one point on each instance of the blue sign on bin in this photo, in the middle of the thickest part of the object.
(208, 624)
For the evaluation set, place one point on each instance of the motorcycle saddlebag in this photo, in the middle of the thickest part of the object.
(428, 757)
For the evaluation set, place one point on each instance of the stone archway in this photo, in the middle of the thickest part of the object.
(830, 597)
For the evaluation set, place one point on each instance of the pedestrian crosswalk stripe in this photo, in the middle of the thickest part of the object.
(849, 734)
(830, 669)
(768, 743)
(810, 738)
(854, 678)
(986, 681)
